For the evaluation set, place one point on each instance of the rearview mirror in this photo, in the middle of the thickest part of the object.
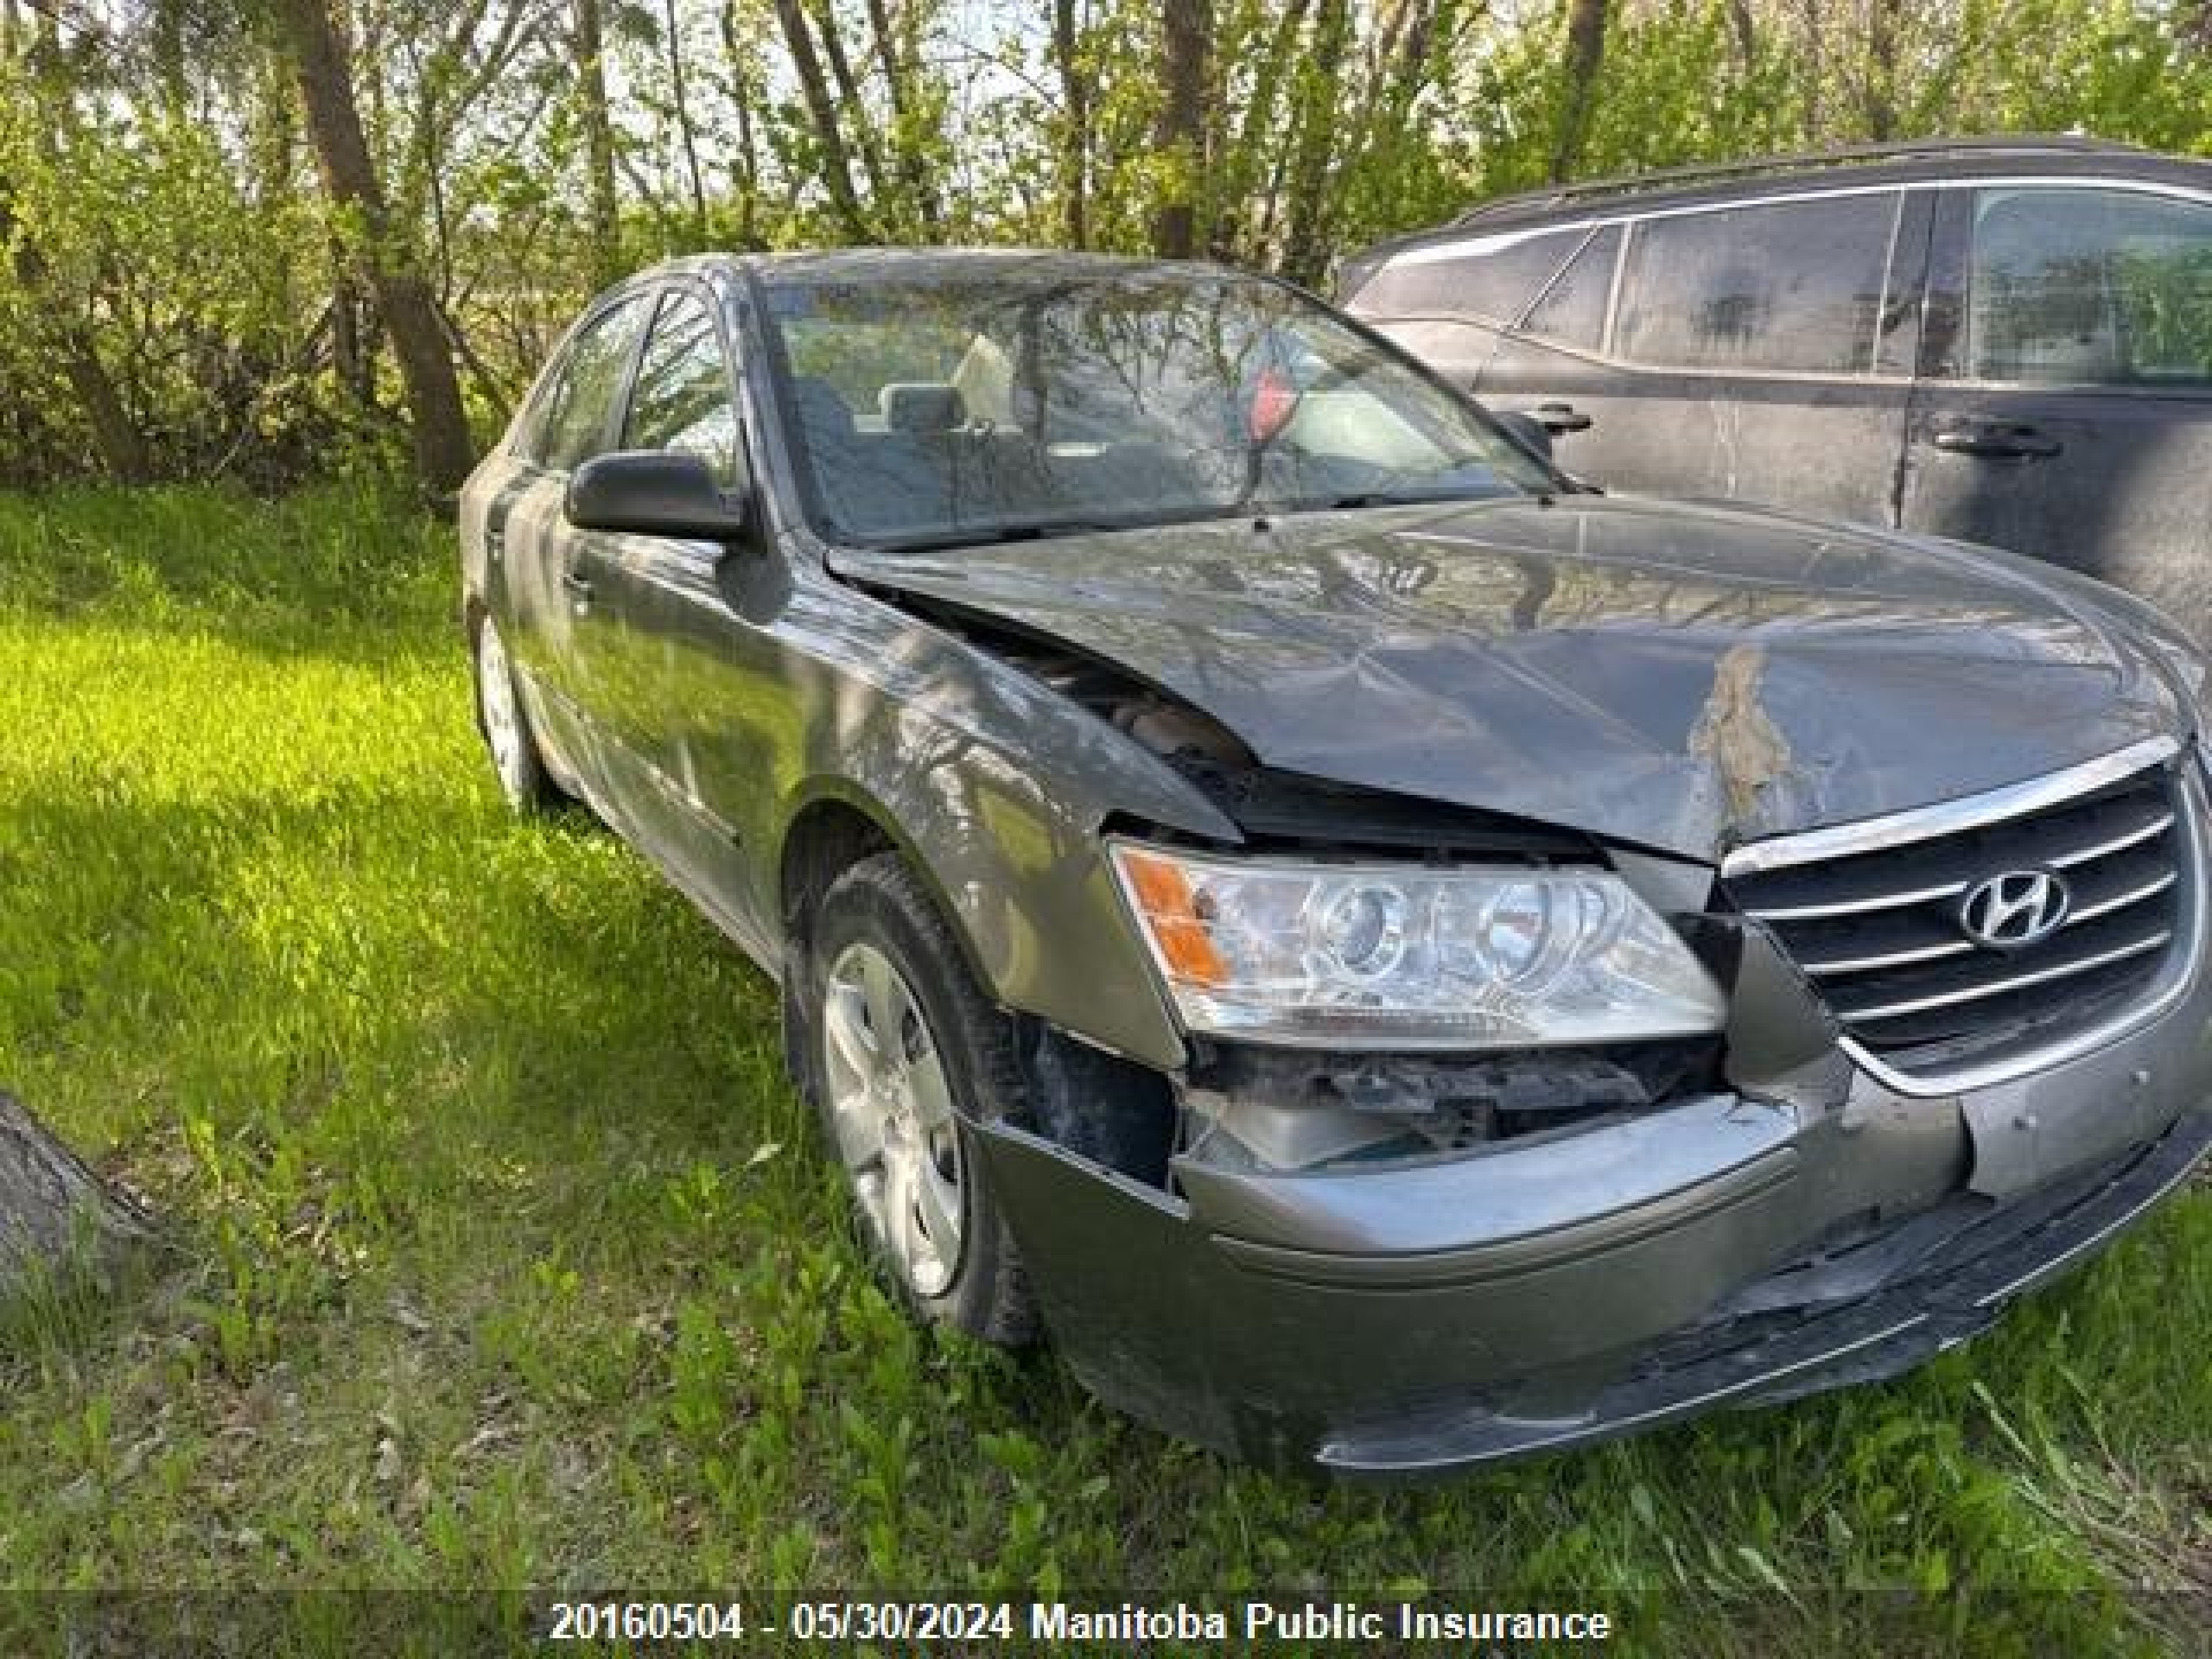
(654, 493)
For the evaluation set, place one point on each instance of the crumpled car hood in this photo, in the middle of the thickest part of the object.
(1683, 677)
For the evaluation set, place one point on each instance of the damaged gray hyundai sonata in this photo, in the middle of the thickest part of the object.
(1391, 958)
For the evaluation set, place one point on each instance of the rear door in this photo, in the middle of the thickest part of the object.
(1760, 351)
(542, 556)
(2065, 406)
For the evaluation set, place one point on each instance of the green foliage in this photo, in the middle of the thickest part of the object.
(163, 190)
(511, 1270)
(148, 243)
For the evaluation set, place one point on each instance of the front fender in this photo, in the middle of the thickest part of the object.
(998, 789)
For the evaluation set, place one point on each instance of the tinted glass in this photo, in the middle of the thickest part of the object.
(1572, 309)
(1495, 278)
(942, 407)
(682, 398)
(2090, 287)
(1793, 285)
(580, 403)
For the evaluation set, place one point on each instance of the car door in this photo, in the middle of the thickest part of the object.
(1761, 351)
(2065, 403)
(541, 557)
(689, 677)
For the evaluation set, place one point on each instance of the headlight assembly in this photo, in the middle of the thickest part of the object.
(1373, 955)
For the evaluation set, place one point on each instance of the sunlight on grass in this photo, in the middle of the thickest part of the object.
(511, 1268)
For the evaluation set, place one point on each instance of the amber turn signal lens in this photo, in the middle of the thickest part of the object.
(1171, 916)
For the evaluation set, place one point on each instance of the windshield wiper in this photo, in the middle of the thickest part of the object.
(1407, 497)
(987, 536)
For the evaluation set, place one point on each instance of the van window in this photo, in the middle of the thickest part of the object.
(2089, 287)
(1572, 309)
(1788, 285)
(1494, 278)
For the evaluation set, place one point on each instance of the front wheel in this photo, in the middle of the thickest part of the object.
(908, 1052)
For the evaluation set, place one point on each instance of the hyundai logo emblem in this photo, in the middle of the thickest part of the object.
(2015, 909)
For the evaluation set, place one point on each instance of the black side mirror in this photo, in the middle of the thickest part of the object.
(1532, 433)
(654, 493)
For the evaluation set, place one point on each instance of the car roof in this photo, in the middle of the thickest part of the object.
(1922, 161)
(847, 264)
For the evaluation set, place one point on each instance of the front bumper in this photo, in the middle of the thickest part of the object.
(1780, 1340)
(1733, 1249)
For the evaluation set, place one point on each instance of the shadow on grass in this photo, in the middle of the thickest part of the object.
(347, 573)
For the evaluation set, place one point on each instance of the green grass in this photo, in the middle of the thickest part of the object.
(506, 1269)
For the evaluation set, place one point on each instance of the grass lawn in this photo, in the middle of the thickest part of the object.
(507, 1270)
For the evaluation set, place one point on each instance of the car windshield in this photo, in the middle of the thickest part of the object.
(937, 407)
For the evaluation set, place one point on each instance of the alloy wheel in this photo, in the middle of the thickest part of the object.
(892, 1112)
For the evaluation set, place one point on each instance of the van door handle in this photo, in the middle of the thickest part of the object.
(1994, 440)
(579, 590)
(1561, 417)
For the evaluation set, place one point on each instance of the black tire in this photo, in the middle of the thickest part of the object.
(880, 905)
(504, 724)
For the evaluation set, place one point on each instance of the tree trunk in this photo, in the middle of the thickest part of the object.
(1253, 139)
(899, 67)
(821, 110)
(1186, 42)
(686, 136)
(443, 452)
(1585, 54)
(1075, 128)
(599, 146)
(748, 145)
(1743, 26)
(1305, 218)
(122, 447)
(1884, 18)
(56, 1217)
(849, 92)
(165, 25)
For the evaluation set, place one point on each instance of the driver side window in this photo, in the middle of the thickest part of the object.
(682, 399)
(572, 425)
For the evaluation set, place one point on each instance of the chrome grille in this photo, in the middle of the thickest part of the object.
(1878, 931)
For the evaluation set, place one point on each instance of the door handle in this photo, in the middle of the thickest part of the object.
(1561, 417)
(579, 590)
(1994, 440)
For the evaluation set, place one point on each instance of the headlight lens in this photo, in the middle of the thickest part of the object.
(1374, 955)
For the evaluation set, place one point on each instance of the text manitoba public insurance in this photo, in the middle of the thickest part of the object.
(1341, 1621)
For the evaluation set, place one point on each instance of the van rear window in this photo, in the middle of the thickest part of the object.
(1494, 278)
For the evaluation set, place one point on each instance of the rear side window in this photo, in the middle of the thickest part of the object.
(682, 398)
(1792, 286)
(1572, 311)
(1495, 278)
(579, 405)
(2089, 287)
